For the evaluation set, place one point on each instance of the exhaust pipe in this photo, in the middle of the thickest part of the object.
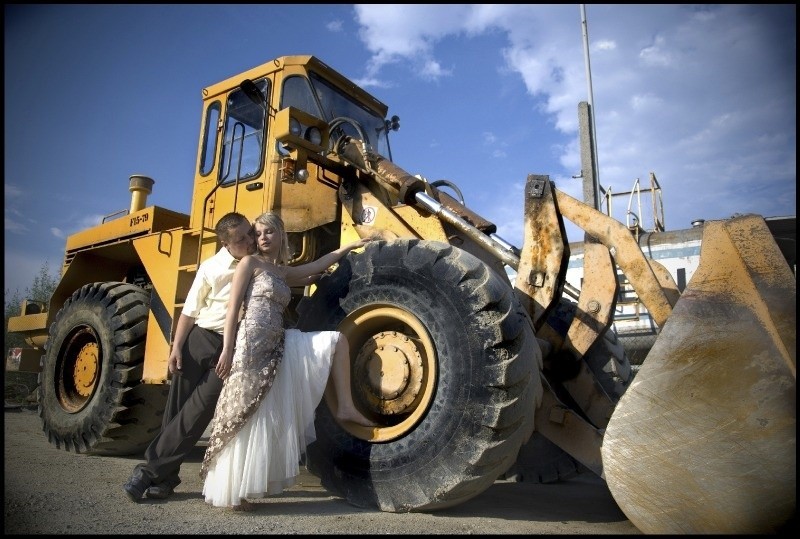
(140, 186)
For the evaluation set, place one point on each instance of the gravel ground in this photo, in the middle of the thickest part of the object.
(51, 491)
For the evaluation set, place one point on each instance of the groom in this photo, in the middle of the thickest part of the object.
(197, 345)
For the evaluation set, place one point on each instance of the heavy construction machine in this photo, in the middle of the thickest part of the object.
(459, 364)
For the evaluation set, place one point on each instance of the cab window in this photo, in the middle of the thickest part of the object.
(209, 148)
(244, 135)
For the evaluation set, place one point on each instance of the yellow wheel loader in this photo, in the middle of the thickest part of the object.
(460, 366)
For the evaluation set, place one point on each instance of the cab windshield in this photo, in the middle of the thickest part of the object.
(324, 101)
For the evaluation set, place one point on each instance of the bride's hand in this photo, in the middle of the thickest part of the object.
(223, 367)
(360, 243)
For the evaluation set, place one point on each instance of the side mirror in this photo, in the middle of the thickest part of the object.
(253, 93)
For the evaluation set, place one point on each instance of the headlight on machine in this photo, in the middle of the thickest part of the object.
(296, 129)
(314, 135)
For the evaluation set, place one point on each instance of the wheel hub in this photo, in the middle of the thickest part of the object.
(394, 370)
(85, 371)
(389, 368)
(78, 370)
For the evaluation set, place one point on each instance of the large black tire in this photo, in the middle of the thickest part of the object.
(91, 399)
(540, 460)
(606, 358)
(610, 364)
(462, 337)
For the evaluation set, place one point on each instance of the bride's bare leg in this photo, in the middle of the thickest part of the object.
(340, 370)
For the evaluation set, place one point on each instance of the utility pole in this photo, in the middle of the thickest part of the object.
(591, 192)
(588, 171)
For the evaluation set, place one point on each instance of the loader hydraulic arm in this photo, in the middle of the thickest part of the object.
(415, 191)
(541, 268)
(541, 264)
(539, 274)
(626, 252)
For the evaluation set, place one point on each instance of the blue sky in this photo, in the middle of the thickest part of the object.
(704, 96)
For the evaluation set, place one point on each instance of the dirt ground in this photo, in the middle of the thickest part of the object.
(51, 491)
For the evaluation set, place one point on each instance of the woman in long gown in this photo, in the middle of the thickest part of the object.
(273, 378)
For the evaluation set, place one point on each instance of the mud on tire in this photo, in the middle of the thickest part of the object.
(484, 378)
(90, 396)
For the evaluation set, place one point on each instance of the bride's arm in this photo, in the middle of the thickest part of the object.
(308, 273)
(241, 277)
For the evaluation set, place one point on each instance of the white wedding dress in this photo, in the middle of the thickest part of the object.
(257, 441)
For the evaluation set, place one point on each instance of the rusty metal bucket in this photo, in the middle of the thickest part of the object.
(704, 440)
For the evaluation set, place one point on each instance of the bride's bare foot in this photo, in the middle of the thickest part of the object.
(353, 416)
(244, 505)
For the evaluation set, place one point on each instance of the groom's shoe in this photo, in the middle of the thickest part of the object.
(137, 484)
(163, 490)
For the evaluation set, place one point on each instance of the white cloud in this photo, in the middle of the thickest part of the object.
(393, 32)
(432, 70)
(81, 223)
(603, 45)
(334, 26)
(696, 94)
(656, 55)
(14, 226)
(642, 102)
(373, 82)
(17, 221)
(12, 191)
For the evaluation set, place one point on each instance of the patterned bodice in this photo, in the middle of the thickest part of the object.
(265, 300)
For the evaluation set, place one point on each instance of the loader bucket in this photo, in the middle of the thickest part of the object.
(704, 439)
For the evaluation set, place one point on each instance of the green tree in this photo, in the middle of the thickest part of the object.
(43, 286)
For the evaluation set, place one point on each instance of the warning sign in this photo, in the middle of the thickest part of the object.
(14, 357)
(23, 359)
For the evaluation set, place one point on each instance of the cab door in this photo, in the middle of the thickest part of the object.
(241, 172)
(231, 174)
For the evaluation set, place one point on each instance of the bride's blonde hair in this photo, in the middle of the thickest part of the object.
(274, 221)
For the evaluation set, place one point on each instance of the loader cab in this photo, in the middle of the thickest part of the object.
(246, 162)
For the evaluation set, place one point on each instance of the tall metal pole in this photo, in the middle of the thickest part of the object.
(595, 162)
